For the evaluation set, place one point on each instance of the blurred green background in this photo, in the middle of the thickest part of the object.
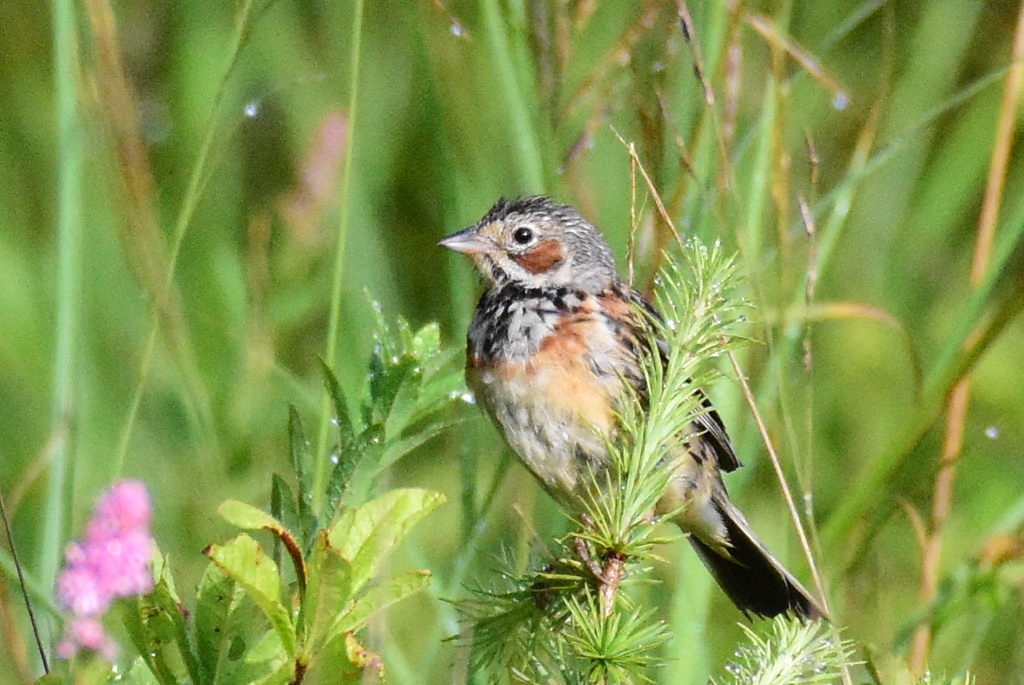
(128, 130)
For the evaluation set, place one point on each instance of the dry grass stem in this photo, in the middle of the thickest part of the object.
(767, 29)
(690, 34)
(959, 399)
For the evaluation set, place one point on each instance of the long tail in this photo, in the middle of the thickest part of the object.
(752, 578)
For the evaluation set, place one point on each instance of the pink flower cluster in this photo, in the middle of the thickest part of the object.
(111, 561)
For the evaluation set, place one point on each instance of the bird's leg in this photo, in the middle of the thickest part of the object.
(579, 546)
(608, 576)
(613, 573)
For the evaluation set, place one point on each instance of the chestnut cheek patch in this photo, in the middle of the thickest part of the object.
(543, 257)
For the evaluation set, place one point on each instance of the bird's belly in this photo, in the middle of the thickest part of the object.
(555, 415)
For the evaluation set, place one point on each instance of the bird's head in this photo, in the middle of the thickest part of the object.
(534, 242)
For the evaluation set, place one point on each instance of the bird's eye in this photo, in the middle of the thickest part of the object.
(522, 236)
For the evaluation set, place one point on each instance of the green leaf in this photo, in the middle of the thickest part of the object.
(216, 598)
(379, 598)
(387, 378)
(366, 535)
(248, 517)
(227, 622)
(397, 449)
(329, 594)
(156, 625)
(283, 507)
(349, 452)
(269, 656)
(301, 455)
(426, 342)
(343, 423)
(358, 464)
(137, 673)
(54, 678)
(245, 562)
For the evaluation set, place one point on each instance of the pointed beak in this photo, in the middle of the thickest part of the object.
(468, 241)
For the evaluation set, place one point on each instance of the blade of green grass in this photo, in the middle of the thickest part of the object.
(986, 313)
(71, 141)
(527, 146)
(184, 219)
(320, 466)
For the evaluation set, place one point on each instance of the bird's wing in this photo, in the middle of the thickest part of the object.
(709, 423)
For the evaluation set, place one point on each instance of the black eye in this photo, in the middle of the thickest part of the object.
(522, 236)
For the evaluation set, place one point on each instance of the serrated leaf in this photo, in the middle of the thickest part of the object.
(283, 507)
(301, 455)
(350, 486)
(343, 422)
(366, 535)
(387, 378)
(426, 342)
(349, 447)
(406, 396)
(382, 332)
(245, 562)
(397, 449)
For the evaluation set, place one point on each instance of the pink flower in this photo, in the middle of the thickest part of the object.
(86, 633)
(81, 592)
(111, 561)
(123, 509)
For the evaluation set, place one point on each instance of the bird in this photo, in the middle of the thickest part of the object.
(552, 351)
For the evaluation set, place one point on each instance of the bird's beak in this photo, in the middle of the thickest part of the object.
(468, 241)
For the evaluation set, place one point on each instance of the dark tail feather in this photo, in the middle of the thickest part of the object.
(753, 579)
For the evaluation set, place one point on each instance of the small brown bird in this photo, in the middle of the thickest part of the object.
(552, 343)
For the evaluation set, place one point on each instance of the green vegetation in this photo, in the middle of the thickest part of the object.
(196, 198)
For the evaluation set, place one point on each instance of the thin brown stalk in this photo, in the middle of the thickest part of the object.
(10, 631)
(618, 57)
(144, 244)
(733, 81)
(779, 41)
(650, 186)
(458, 29)
(747, 393)
(24, 588)
(690, 34)
(631, 250)
(783, 483)
(959, 398)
